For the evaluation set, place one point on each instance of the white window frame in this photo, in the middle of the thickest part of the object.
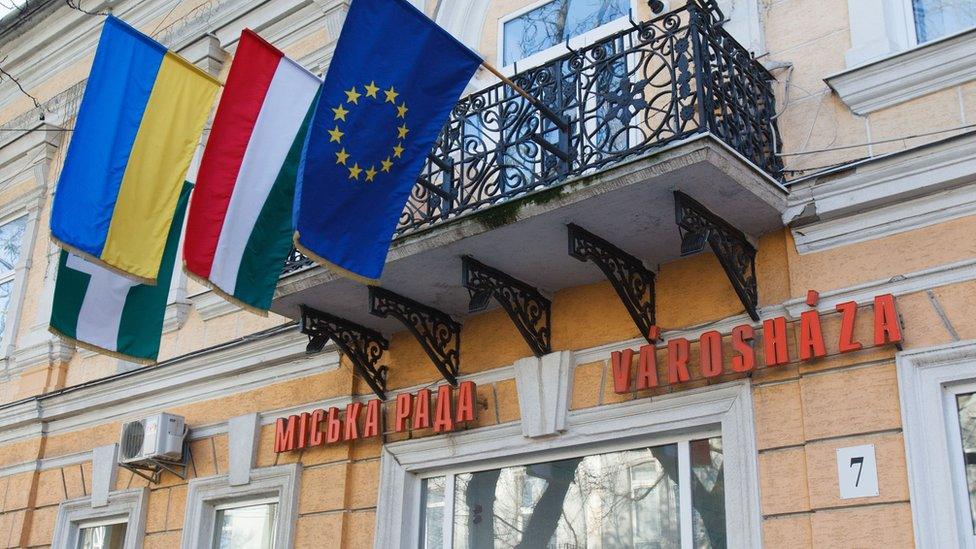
(128, 506)
(207, 495)
(928, 380)
(724, 409)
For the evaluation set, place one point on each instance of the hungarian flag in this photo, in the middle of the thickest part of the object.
(99, 309)
(239, 230)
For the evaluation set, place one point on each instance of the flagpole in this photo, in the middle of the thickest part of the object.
(558, 120)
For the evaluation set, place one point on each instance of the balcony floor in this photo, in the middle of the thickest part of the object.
(629, 204)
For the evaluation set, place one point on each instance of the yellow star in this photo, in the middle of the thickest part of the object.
(354, 171)
(342, 156)
(371, 90)
(387, 164)
(402, 111)
(340, 113)
(391, 95)
(402, 131)
(370, 173)
(352, 96)
(336, 135)
(397, 151)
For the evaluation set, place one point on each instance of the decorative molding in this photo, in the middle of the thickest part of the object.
(885, 221)
(209, 305)
(230, 369)
(128, 505)
(242, 447)
(725, 409)
(281, 482)
(105, 469)
(175, 316)
(907, 75)
(544, 385)
(923, 374)
(887, 195)
(901, 284)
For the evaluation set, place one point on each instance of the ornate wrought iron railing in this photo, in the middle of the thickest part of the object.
(654, 83)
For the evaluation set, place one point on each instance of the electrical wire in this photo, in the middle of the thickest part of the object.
(880, 141)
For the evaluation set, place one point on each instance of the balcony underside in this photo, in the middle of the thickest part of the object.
(630, 204)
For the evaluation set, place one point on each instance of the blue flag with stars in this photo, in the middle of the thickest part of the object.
(393, 80)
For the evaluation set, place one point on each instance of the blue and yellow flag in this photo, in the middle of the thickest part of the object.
(138, 126)
(393, 80)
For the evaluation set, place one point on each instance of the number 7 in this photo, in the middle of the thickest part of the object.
(859, 461)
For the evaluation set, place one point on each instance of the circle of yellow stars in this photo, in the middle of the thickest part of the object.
(336, 134)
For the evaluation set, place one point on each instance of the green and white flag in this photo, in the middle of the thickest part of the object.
(105, 312)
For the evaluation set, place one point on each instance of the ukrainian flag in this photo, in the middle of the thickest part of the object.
(139, 124)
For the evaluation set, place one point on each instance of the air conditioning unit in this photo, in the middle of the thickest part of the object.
(156, 438)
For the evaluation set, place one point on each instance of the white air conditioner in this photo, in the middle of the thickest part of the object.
(157, 437)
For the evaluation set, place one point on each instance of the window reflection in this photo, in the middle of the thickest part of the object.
(937, 18)
(553, 23)
(966, 405)
(246, 527)
(106, 536)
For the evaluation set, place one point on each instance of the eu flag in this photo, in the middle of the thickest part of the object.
(393, 81)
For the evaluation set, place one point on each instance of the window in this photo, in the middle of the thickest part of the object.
(619, 476)
(120, 524)
(258, 515)
(109, 535)
(249, 525)
(937, 18)
(630, 498)
(553, 22)
(11, 240)
(938, 394)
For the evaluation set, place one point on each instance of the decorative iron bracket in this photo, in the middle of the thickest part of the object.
(436, 331)
(737, 256)
(528, 309)
(363, 347)
(633, 281)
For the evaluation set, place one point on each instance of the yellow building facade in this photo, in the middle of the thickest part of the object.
(854, 177)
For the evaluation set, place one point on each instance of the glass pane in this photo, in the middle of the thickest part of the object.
(11, 237)
(553, 23)
(251, 527)
(5, 288)
(938, 18)
(109, 536)
(967, 425)
(615, 500)
(708, 493)
(432, 509)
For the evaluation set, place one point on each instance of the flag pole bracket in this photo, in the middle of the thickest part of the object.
(633, 282)
(362, 346)
(528, 309)
(699, 226)
(436, 331)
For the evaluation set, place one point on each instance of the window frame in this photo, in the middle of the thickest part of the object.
(128, 506)
(911, 27)
(16, 281)
(928, 380)
(206, 495)
(724, 409)
(552, 52)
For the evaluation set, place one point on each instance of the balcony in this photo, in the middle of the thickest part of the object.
(674, 103)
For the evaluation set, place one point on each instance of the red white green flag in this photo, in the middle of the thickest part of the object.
(239, 230)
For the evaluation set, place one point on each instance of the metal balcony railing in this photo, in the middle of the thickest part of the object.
(656, 82)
